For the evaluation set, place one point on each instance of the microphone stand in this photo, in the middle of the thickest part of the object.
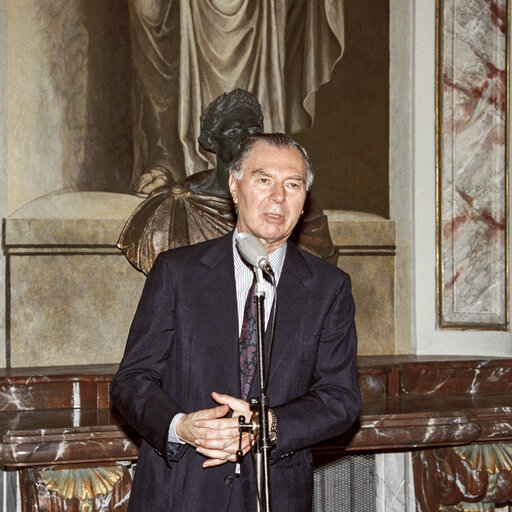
(261, 405)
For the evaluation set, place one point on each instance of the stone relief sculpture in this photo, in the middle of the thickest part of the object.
(186, 53)
(463, 478)
(87, 489)
(199, 207)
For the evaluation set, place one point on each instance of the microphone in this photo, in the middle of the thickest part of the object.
(253, 252)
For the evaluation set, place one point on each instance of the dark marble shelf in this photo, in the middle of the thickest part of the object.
(419, 421)
(65, 436)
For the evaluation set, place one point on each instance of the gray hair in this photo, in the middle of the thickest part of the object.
(279, 140)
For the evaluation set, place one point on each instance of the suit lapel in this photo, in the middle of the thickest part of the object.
(219, 317)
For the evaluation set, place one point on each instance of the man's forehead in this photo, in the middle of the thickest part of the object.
(267, 158)
(292, 174)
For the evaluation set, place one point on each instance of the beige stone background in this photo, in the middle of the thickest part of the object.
(68, 108)
(349, 143)
(65, 166)
(69, 124)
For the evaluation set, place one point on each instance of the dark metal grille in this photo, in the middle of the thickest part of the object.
(346, 484)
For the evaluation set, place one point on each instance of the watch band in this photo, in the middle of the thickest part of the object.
(273, 426)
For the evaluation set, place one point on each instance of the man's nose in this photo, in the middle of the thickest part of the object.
(278, 193)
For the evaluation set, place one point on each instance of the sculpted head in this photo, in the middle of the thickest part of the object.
(269, 179)
(228, 121)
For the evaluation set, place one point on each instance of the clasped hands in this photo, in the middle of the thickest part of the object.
(213, 434)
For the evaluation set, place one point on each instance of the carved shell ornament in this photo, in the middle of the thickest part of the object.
(493, 458)
(84, 484)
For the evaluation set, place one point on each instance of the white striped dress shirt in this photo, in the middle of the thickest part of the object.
(244, 276)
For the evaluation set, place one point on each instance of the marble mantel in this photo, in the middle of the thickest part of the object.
(60, 419)
(63, 415)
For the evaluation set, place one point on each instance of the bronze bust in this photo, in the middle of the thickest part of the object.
(199, 207)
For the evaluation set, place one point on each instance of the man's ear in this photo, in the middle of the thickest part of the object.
(233, 185)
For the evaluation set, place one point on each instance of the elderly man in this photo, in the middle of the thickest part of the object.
(183, 383)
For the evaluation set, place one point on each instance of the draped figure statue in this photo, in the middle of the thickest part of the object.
(187, 52)
(199, 207)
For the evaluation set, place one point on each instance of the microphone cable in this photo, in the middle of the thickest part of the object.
(272, 328)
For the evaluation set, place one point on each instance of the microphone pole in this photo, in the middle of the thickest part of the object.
(261, 404)
(253, 251)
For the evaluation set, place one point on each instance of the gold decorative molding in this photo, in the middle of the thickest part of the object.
(493, 458)
(85, 484)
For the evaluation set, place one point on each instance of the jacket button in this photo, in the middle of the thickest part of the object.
(228, 479)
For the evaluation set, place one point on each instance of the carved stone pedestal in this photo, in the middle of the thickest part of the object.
(100, 489)
(463, 478)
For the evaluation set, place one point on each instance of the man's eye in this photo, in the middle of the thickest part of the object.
(263, 180)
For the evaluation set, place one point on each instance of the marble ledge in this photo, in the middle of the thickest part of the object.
(360, 229)
(419, 421)
(89, 436)
(70, 218)
(66, 436)
(67, 218)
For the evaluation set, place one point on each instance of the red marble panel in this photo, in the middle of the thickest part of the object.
(457, 377)
(373, 383)
(472, 163)
(22, 391)
(102, 398)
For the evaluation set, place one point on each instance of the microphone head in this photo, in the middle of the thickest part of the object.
(253, 252)
(251, 249)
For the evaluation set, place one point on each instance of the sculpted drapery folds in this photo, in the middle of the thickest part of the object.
(186, 53)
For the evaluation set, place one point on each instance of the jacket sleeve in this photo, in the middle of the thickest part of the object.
(333, 401)
(136, 388)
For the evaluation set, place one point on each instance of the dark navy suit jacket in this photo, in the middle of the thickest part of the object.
(183, 344)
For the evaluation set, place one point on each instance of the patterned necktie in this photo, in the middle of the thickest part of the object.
(247, 342)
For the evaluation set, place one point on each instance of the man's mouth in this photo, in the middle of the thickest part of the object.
(274, 217)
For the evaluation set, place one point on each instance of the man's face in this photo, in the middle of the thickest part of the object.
(271, 194)
(233, 130)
